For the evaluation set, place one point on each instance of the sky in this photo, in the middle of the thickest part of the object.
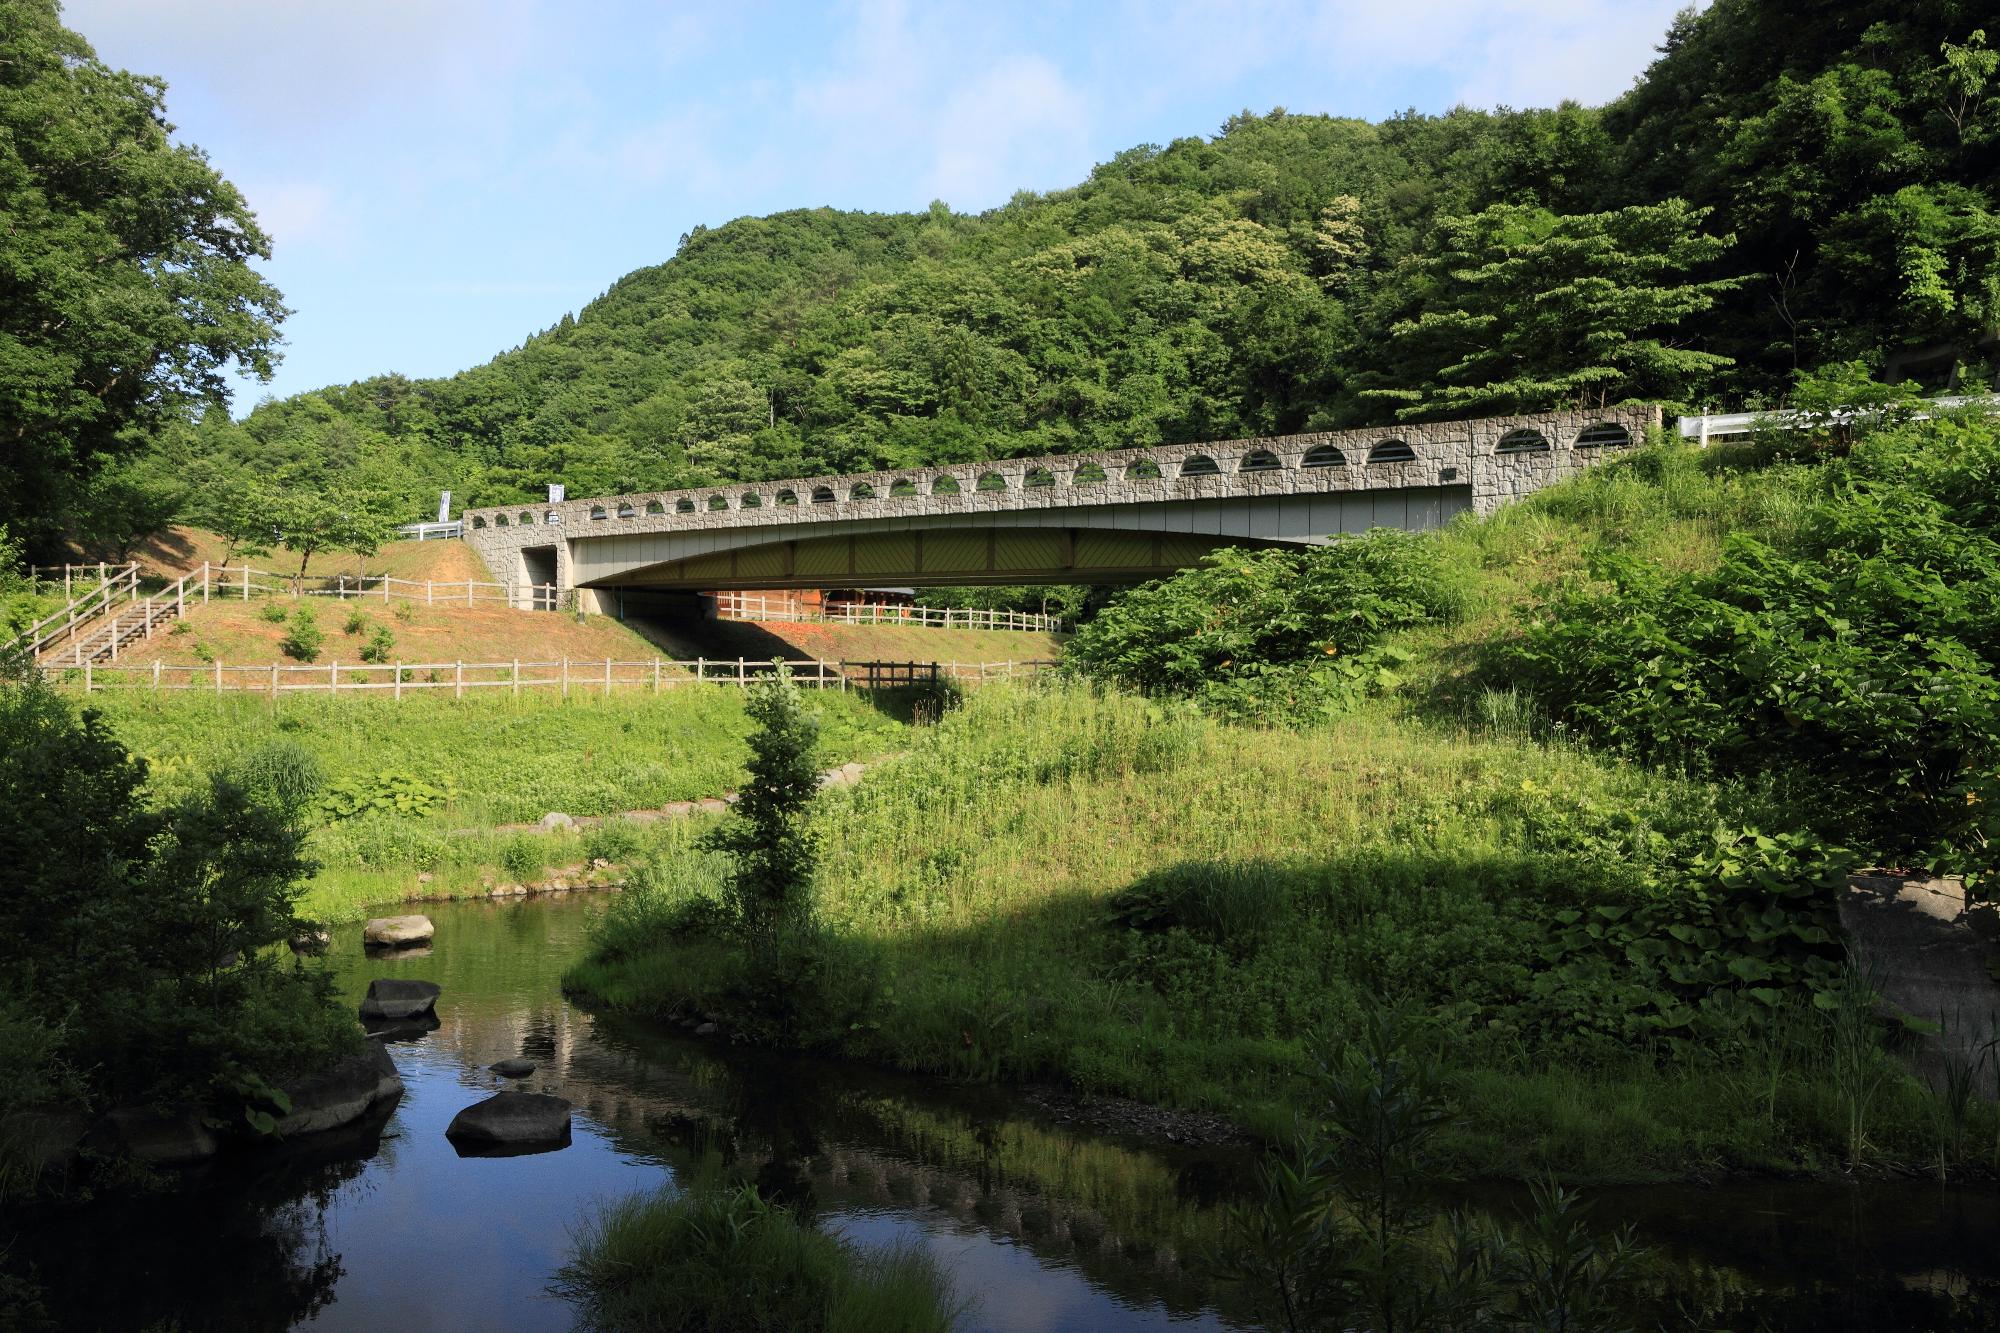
(442, 178)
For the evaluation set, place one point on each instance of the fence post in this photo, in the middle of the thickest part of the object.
(218, 676)
(114, 641)
(399, 678)
(66, 593)
(333, 677)
(565, 677)
(385, 590)
(607, 678)
(204, 583)
(430, 592)
(100, 571)
(274, 684)
(458, 679)
(516, 677)
(156, 677)
(656, 675)
(86, 676)
(180, 598)
(468, 592)
(246, 580)
(700, 667)
(740, 676)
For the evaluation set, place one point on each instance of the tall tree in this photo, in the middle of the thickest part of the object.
(125, 282)
(1520, 309)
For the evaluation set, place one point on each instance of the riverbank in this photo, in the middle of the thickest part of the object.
(1064, 886)
(448, 800)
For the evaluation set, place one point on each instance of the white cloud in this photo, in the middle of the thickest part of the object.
(1019, 121)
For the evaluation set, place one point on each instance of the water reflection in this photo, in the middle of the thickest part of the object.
(1046, 1227)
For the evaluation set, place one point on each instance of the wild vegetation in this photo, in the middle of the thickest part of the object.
(140, 965)
(425, 790)
(713, 1256)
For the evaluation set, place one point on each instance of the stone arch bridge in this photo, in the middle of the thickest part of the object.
(1121, 516)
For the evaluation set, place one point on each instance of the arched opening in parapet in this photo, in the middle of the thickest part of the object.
(597, 512)
(861, 490)
(901, 488)
(1392, 451)
(750, 500)
(946, 486)
(1323, 455)
(527, 519)
(1604, 435)
(1143, 469)
(552, 518)
(788, 497)
(684, 505)
(499, 520)
(1087, 474)
(992, 481)
(478, 522)
(655, 507)
(1199, 465)
(822, 495)
(718, 502)
(1039, 476)
(1523, 441)
(627, 511)
(1259, 460)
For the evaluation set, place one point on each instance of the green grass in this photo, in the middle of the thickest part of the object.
(715, 1260)
(494, 760)
(972, 893)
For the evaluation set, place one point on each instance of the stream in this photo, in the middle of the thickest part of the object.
(1044, 1225)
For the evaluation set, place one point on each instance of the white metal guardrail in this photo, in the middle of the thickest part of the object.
(1728, 425)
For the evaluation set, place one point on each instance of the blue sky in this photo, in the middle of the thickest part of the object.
(443, 177)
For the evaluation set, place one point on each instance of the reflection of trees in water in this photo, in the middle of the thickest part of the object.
(238, 1247)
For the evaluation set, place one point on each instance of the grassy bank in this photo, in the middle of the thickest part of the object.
(413, 793)
(1060, 884)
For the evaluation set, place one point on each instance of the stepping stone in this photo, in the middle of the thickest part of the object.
(397, 932)
(393, 1000)
(511, 1123)
(513, 1068)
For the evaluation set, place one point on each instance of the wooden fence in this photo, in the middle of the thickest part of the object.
(569, 675)
(756, 606)
(242, 581)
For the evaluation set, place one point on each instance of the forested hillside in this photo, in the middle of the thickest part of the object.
(1788, 185)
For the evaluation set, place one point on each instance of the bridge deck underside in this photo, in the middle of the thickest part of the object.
(1086, 549)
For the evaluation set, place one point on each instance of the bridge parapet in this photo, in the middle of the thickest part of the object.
(1485, 461)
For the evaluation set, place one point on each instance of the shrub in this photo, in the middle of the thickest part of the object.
(1856, 660)
(303, 639)
(272, 611)
(357, 622)
(380, 646)
(1231, 905)
(770, 890)
(285, 774)
(713, 1259)
(405, 612)
(158, 983)
(614, 840)
(1250, 631)
(524, 857)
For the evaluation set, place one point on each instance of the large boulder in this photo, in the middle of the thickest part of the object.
(341, 1095)
(397, 932)
(513, 1067)
(511, 1122)
(158, 1138)
(393, 1000)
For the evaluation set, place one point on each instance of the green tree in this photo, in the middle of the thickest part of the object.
(1522, 310)
(775, 848)
(309, 522)
(125, 282)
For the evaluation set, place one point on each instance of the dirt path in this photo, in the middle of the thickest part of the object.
(1914, 938)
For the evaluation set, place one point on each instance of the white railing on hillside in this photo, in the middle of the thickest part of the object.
(1732, 425)
(430, 532)
(243, 582)
(569, 675)
(133, 618)
(757, 606)
(120, 586)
